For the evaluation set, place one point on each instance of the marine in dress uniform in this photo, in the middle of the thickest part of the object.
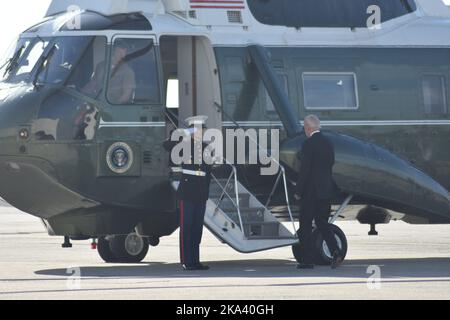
(193, 194)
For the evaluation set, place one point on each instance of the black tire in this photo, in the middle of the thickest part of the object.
(104, 250)
(125, 254)
(322, 256)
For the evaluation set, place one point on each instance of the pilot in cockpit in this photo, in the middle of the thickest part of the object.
(122, 81)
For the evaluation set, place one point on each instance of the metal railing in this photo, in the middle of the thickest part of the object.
(232, 176)
(281, 174)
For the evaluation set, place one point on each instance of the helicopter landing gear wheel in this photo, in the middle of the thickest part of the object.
(129, 248)
(104, 250)
(321, 254)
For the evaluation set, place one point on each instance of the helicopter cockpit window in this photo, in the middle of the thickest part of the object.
(87, 77)
(62, 61)
(133, 77)
(18, 68)
(29, 62)
(12, 56)
(65, 115)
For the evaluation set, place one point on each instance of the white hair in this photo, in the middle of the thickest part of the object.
(312, 122)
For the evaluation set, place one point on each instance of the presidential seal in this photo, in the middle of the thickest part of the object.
(119, 157)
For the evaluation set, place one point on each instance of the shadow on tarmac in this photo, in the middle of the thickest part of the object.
(390, 269)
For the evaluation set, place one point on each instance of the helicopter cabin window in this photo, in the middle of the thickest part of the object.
(271, 112)
(330, 91)
(133, 78)
(326, 13)
(434, 94)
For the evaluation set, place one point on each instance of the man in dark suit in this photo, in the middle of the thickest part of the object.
(315, 190)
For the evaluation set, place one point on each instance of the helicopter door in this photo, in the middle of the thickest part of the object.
(191, 78)
(133, 92)
(133, 113)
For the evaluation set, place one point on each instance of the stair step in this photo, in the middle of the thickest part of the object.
(260, 230)
(222, 181)
(228, 204)
(249, 215)
(272, 238)
(216, 190)
(247, 210)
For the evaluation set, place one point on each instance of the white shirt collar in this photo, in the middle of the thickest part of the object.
(318, 131)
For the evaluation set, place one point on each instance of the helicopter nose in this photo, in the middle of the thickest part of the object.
(17, 112)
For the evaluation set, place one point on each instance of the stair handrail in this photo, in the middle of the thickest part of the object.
(236, 190)
(221, 109)
(282, 174)
(282, 170)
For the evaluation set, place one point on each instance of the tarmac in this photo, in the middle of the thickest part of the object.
(403, 262)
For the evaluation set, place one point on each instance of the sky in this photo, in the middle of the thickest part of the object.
(18, 15)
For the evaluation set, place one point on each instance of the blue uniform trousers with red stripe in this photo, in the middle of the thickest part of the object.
(192, 216)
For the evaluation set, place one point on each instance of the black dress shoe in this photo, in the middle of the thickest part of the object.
(189, 268)
(336, 261)
(305, 266)
(201, 267)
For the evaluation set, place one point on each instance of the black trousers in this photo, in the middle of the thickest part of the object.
(319, 211)
(192, 216)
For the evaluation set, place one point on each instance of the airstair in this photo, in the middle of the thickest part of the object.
(236, 217)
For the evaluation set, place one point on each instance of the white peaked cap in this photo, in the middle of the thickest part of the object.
(197, 120)
(190, 131)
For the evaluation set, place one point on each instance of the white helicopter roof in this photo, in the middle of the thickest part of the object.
(109, 7)
(435, 8)
(106, 7)
(231, 22)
